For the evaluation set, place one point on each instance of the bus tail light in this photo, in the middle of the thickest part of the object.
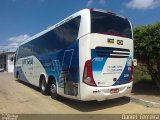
(87, 74)
(131, 73)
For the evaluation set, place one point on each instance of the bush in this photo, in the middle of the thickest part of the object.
(147, 49)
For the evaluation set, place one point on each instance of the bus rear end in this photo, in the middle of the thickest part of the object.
(108, 64)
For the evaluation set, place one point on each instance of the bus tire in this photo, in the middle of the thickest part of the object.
(43, 85)
(53, 90)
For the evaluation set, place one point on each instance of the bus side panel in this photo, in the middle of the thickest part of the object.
(63, 65)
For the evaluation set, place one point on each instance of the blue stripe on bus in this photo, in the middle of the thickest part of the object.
(64, 66)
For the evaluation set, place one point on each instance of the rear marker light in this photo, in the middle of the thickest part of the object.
(111, 13)
(91, 9)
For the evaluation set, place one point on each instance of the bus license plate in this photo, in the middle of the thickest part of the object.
(113, 91)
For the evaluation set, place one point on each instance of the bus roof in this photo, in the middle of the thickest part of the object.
(67, 19)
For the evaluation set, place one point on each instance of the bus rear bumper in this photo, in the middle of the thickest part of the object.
(104, 93)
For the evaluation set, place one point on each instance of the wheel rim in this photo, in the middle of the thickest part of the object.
(53, 88)
(43, 86)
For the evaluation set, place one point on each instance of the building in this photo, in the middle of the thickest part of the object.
(6, 61)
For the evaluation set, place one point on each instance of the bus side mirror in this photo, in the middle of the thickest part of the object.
(134, 62)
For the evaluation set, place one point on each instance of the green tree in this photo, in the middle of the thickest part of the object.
(147, 48)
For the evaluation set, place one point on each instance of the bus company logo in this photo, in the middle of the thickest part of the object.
(110, 41)
(120, 42)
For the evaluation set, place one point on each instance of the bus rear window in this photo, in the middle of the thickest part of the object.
(106, 23)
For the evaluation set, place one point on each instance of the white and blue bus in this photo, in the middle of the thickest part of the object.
(87, 56)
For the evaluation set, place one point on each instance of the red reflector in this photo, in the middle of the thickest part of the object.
(95, 91)
(91, 9)
(98, 91)
(116, 90)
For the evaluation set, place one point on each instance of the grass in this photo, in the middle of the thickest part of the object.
(139, 75)
(143, 83)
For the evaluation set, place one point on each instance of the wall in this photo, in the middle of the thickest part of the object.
(10, 64)
(6, 63)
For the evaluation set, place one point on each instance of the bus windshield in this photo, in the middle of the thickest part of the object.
(110, 24)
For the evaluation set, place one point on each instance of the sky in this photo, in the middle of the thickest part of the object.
(21, 19)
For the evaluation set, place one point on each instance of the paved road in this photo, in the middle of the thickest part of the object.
(17, 97)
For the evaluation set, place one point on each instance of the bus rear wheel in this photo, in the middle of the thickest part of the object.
(53, 90)
(43, 86)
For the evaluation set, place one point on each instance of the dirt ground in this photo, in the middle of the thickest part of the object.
(146, 90)
(20, 98)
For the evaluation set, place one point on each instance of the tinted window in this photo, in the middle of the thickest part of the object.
(110, 24)
(25, 50)
(56, 39)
